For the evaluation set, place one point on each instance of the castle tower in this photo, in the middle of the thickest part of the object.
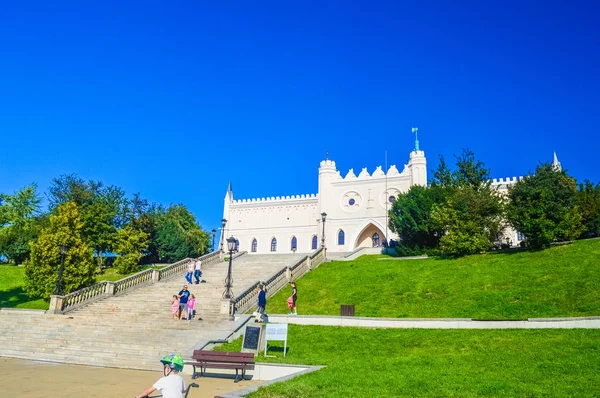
(556, 164)
(226, 214)
(327, 174)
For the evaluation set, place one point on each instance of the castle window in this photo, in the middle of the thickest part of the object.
(314, 242)
(341, 237)
(392, 198)
(520, 236)
(294, 246)
(254, 245)
(273, 245)
(351, 202)
(376, 240)
(237, 245)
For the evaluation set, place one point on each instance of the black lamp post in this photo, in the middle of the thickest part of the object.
(59, 281)
(223, 222)
(214, 232)
(228, 294)
(323, 218)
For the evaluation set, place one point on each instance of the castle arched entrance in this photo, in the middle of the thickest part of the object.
(371, 236)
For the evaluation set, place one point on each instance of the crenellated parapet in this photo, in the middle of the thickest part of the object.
(507, 180)
(377, 174)
(271, 199)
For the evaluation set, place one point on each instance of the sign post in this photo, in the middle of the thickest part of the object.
(276, 332)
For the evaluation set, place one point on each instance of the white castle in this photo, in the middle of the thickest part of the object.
(345, 214)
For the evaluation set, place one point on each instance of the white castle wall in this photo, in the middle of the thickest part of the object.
(300, 215)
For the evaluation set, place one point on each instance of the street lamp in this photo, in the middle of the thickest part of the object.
(228, 294)
(223, 222)
(214, 232)
(59, 281)
(323, 217)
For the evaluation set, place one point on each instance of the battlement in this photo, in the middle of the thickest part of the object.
(377, 174)
(308, 197)
(508, 180)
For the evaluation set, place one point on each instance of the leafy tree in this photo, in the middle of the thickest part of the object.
(178, 235)
(41, 269)
(470, 212)
(18, 223)
(471, 220)
(588, 202)
(543, 206)
(410, 217)
(101, 209)
(130, 245)
(143, 216)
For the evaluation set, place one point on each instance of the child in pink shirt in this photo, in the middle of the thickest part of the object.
(191, 305)
(175, 306)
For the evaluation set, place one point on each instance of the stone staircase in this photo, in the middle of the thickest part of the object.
(136, 329)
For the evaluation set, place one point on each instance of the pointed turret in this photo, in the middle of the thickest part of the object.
(556, 164)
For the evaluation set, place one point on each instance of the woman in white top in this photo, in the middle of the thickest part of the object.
(198, 271)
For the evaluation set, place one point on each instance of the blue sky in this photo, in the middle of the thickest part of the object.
(175, 99)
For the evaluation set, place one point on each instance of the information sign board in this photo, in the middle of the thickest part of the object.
(276, 332)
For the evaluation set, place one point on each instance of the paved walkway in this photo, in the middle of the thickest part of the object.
(444, 323)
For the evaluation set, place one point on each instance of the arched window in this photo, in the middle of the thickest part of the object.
(237, 245)
(314, 243)
(376, 240)
(294, 245)
(254, 245)
(273, 245)
(341, 237)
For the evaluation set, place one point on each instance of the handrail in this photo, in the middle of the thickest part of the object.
(246, 300)
(79, 297)
(133, 280)
(86, 295)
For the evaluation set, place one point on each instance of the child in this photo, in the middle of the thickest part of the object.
(294, 297)
(171, 385)
(175, 307)
(191, 309)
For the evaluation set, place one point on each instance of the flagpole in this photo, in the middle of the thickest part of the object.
(386, 201)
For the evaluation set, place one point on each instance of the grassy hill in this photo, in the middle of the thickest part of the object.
(436, 363)
(560, 281)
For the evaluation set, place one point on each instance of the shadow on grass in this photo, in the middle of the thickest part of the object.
(14, 297)
(279, 349)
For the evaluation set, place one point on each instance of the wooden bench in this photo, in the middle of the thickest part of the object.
(221, 360)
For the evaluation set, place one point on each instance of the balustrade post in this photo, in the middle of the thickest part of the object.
(308, 263)
(155, 276)
(109, 290)
(56, 303)
(288, 274)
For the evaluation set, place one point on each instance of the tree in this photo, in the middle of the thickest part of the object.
(41, 269)
(18, 223)
(130, 245)
(410, 217)
(142, 216)
(588, 202)
(470, 212)
(543, 206)
(101, 209)
(179, 236)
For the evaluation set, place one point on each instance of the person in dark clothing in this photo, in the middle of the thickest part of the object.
(183, 301)
(262, 303)
(294, 297)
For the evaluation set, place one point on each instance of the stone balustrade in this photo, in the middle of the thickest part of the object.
(247, 300)
(87, 295)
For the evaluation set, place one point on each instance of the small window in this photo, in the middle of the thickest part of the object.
(392, 198)
(254, 245)
(341, 237)
(520, 236)
(314, 242)
(376, 240)
(351, 202)
(273, 245)
(294, 245)
(237, 246)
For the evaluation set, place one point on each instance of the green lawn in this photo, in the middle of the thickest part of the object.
(437, 363)
(12, 283)
(560, 281)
